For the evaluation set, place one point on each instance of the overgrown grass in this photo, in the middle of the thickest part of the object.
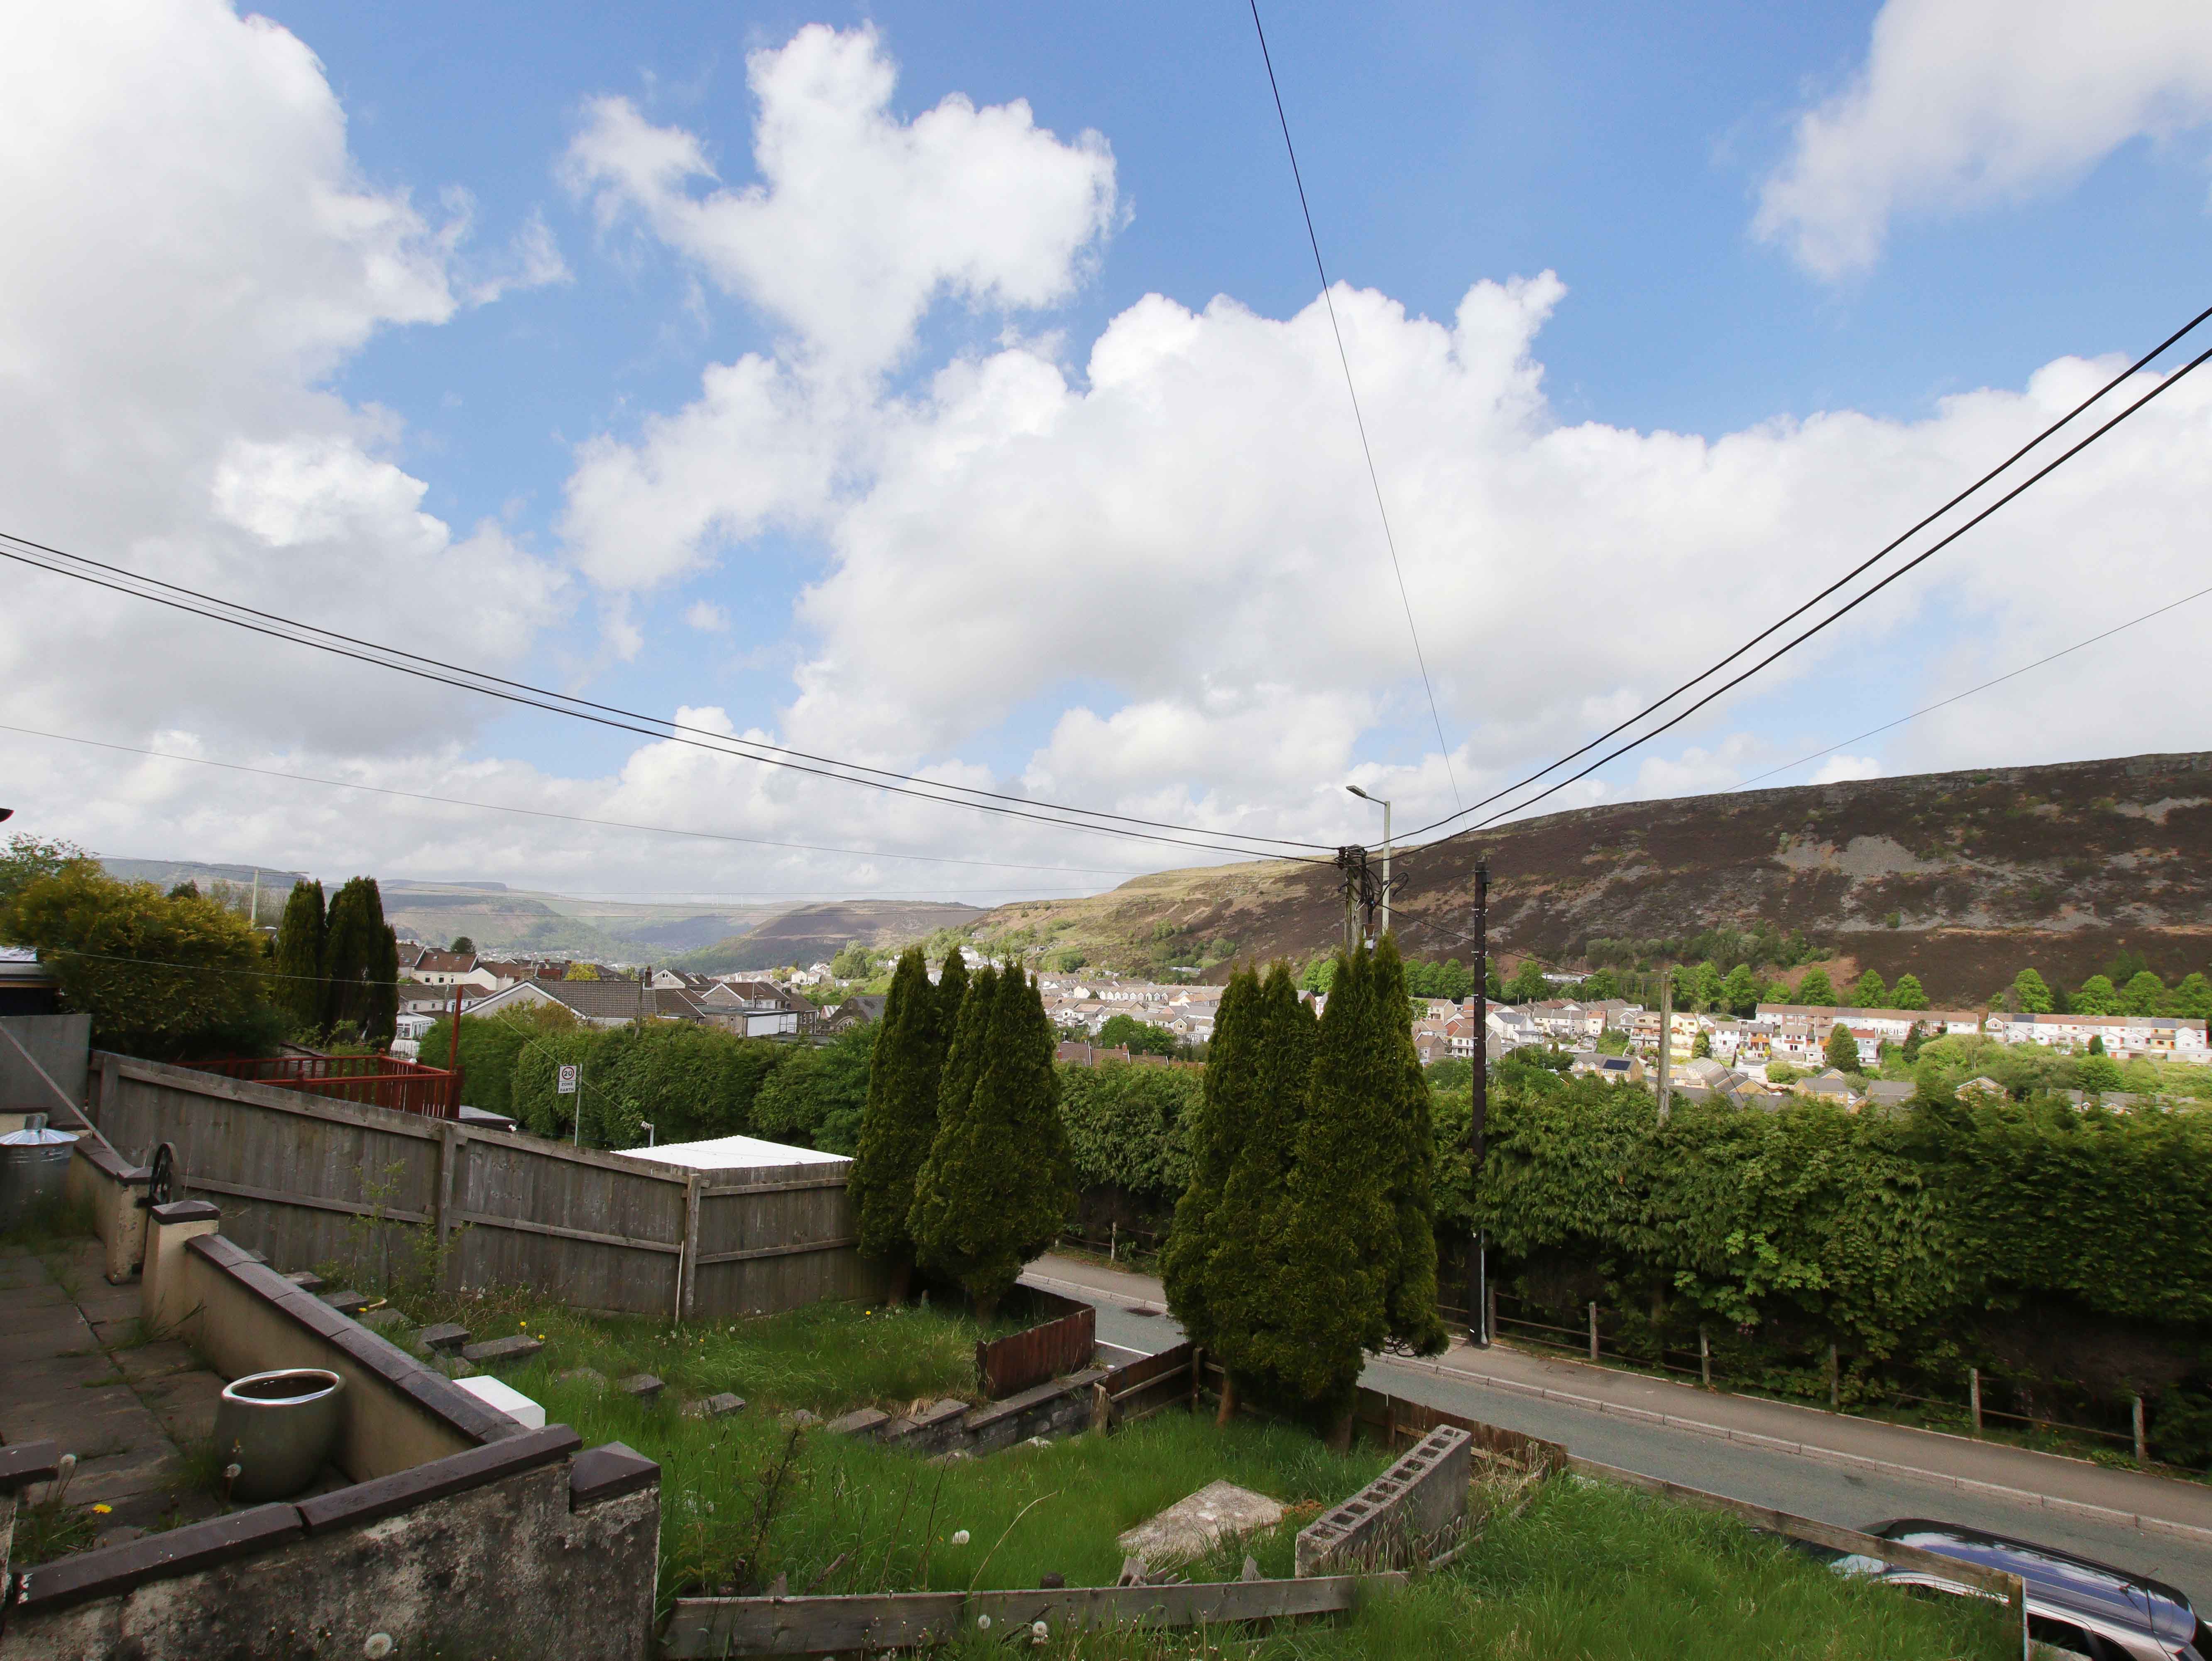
(1583, 1571)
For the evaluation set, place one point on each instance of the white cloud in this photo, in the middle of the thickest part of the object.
(707, 617)
(862, 221)
(1839, 769)
(1965, 103)
(192, 253)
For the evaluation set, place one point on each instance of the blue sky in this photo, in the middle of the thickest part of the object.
(1995, 218)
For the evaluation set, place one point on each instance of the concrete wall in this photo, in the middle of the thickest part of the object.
(1401, 1514)
(110, 1190)
(527, 1549)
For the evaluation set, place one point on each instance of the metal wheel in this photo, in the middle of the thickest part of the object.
(165, 1187)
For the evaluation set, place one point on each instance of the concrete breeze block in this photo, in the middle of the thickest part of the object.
(1417, 1500)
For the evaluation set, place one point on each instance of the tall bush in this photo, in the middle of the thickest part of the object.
(361, 959)
(298, 983)
(1408, 1150)
(899, 1120)
(1228, 1110)
(998, 1185)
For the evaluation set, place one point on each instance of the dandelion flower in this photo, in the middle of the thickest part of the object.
(983, 1622)
(103, 1510)
(960, 1537)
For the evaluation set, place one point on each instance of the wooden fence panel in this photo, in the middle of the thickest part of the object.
(1049, 1350)
(307, 1179)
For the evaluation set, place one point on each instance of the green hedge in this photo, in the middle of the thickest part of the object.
(2066, 1252)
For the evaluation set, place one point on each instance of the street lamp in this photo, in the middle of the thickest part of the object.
(1385, 806)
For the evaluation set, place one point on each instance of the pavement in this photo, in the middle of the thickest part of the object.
(1834, 1466)
(72, 1369)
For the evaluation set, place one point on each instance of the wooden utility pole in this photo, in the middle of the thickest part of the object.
(1478, 1122)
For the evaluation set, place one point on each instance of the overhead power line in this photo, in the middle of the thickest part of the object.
(2009, 674)
(1358, 420)
(1837, 615)
(569, 818)
(492, 686)
(1865, 565)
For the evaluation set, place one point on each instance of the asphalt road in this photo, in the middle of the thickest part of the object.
(1789, 1482)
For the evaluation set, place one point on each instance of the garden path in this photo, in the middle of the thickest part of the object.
(72, 1368)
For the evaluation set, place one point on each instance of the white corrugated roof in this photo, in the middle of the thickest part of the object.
(732, 1154)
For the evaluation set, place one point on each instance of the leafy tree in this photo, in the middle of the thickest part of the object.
(1739, 993)
(1317, 975)
(1907, 993)
(360, 958)
(1843, 1049)
(581, 971)
(490, 1045)
(1782, 1072)
(2192, 999)
(1815, 991)
(463, 945)
(853, 961)
(2144, 995)
(2030, 995)
(1600, 985)
(2095, 996)
(818, 1096)
(2096, 1043)
(1141, 1038)
(164, 978)
(1493, 988)
(1528, 984)
(2097, 1071)
(186, 890)
(27, 859)
(1454, 980)
(1869, 992)
(535, 1098)
(899, 1122)
(1701, 1047)
(1068, 960)
(998, 1184)
(300, 990)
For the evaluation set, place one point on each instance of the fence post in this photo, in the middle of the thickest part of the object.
(1489, 1297)
(1974, 1395)
(687, 1259)
(2142, 1449)
(1197, 1373)
(1705, 1359)
(449, 1152)
(1593, 1318)
(1835, 1390)
(1114, 1240)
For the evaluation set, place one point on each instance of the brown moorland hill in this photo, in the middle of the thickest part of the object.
(1963, 879)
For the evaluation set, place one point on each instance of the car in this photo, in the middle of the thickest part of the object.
(2075, 1605)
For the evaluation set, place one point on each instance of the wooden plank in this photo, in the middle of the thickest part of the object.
(737, 1626)
(551, 1231)
(196, 1182)
(1158, 1396)
(687, 1264)
(796, 1248)
(837, 1181)
(1176, 1359)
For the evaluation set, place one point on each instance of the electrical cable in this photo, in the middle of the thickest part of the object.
(719, 748)
(571, 818)
(1745, 784)
(749, 744)
(1877, 557)
(1358, 420)
(1841, 612)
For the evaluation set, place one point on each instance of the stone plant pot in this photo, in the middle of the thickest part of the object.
(278, 1428)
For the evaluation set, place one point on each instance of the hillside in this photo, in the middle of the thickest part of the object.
(1962, 877)
(812, 934)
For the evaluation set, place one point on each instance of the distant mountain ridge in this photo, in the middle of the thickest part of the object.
(1962, 877)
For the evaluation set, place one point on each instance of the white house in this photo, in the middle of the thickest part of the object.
(2159, 1037)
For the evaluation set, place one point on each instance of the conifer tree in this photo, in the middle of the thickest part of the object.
(1249, 1264)
(999, 1185)
(2031, 994)
(899, 1122)
(1342, 1234)
(1908, 994)
(1869, 992)
(1815, 991)
(384, 1014)
(1843, 1049)
(301, 990)
(354, 956)
(951, 993)
(1225, 1114)
(1410, 1142)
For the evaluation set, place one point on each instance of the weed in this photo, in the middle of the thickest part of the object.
(51, 1528)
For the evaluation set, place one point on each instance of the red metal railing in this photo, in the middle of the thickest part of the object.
(371, 1080)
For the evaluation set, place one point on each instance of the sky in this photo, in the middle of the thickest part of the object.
(949, 390)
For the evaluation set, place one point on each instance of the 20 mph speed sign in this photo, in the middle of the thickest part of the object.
(567, 1087)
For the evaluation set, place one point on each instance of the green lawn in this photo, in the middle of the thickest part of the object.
(1583, 1570)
